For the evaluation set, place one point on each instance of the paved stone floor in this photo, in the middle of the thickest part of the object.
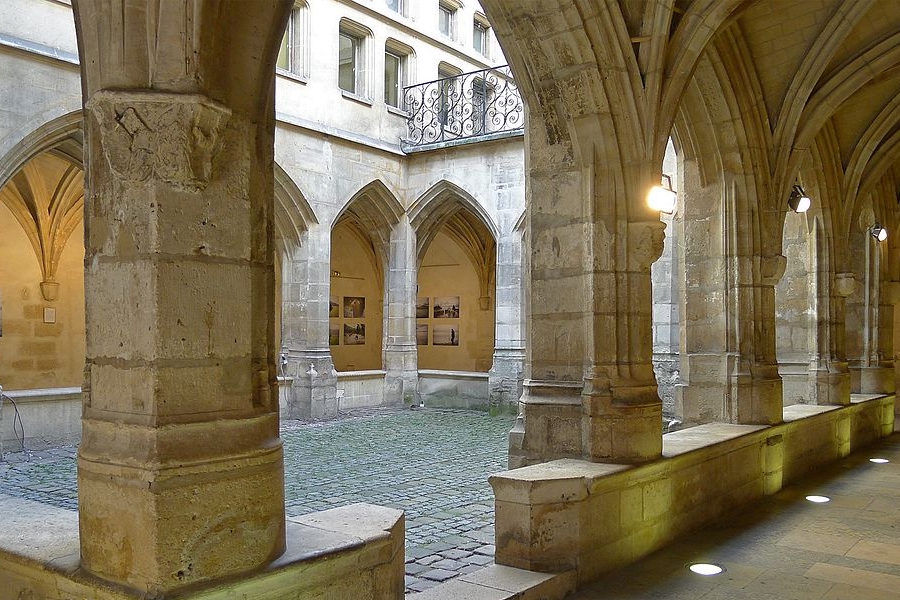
(431, 463)
(785, 547)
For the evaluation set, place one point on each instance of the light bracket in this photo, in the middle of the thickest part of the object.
(798, 200)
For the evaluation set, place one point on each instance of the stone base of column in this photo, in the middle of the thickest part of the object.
(505, 379)
(208, 503)
(700, 395)
(830, 385)
(549, 424)
(757, 398)
(401, 377)
(313, 393)
(873, 380)
(620, 432)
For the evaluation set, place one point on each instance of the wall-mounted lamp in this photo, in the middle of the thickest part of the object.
(878, 232)
(662, 197)
(798, 200)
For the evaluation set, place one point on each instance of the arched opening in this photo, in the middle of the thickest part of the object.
(666, 275)
(41, 270)
(355, 316)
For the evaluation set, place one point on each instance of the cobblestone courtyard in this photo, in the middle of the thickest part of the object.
(431, 463)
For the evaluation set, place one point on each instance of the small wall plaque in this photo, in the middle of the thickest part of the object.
(49, 314)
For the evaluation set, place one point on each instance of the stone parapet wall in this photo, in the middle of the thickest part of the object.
(355, 551)
(594, 517)
(46, 416)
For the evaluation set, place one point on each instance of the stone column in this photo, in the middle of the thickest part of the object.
(306, 289)
(180, 474)
(400, 354)
(621, 409)
(549, 423)
(754, 390)
(829, 369)
(505, 376)
(703, 342)
(874, 369)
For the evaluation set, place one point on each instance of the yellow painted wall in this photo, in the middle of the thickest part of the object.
(447, 271)
(34, 354)
(359, 277)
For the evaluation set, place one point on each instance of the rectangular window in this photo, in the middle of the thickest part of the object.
(348, 62)
(446, 17)
(393, 79)
(292, 54)
(395, 5)
(480, 37)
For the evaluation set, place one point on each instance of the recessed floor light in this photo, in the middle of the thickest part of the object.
(818, 499)
(879, 461)
(706, 569)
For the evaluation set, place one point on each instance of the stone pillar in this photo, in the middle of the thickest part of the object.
(180, 474)
(505, 376)
(874, 369)
(754, 391)
(549, 423)
(703, 343)
(829, 369)
(621, 409)
(400, 354)
(306, 289)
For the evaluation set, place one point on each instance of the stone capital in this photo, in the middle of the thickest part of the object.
(646, 240)
(844, 284)
(156, 136)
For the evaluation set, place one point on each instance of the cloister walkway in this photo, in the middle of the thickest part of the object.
(431, 463)
(786, 547)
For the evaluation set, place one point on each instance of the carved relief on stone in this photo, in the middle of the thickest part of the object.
(153, 136)
(646, 240)
(844, 284)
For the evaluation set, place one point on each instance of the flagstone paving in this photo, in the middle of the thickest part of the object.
(431, 463)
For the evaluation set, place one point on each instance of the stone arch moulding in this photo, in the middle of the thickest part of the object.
(293, 214)
(429, 208)
(46, 136)
(377, 209)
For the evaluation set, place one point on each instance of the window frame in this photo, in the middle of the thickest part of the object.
(295, 43)
(480, 22)
(362, 88)
(452, 10)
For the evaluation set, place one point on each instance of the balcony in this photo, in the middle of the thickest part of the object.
(472, 107)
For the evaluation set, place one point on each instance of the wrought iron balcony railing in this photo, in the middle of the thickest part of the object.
(465, 108)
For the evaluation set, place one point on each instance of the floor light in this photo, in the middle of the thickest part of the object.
(878, 232)
(818, 499)
(662, 197)
(798, 200)
(706, 568)
(879, 461)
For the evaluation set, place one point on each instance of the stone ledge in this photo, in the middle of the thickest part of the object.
(572, 515)
(351, 551)
(497, 582)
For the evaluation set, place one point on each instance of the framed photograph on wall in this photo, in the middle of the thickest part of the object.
(422, 306)
(334, 334)
(446, 307)
(445, 335)
(354, 307)
(421, 335)
(354, 334)
(334, 306)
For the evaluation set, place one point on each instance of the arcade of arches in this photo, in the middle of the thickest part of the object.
(780, 325)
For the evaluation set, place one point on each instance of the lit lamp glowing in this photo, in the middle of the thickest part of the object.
(878, 232)
(662, 197)
(799, 201)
